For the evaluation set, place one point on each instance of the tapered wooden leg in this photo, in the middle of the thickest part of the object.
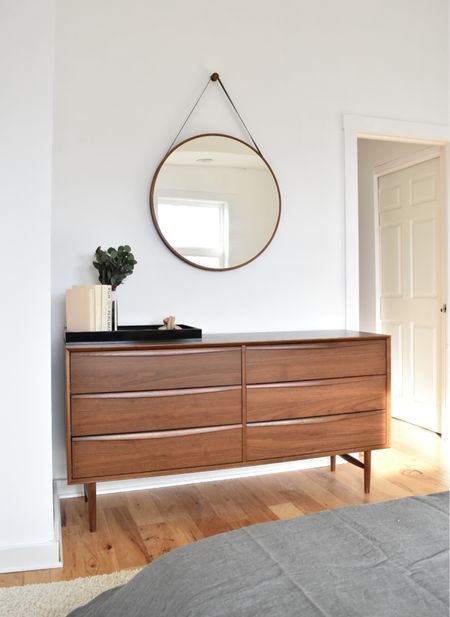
(92, 504)
(367, 470)
(333, 462)
(354, 461)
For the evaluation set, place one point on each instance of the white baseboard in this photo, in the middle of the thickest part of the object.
(57, 526)
(65, 491)
(30, 557)
(39, 556)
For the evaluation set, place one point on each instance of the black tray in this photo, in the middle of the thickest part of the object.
(131, 334)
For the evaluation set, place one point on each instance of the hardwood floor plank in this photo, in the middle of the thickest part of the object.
(12, 579)
(286, 511)
(201, 512)
(159, 539)
(143, 507)
(130, 549)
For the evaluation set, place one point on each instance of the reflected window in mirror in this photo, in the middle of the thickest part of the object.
(197, 229)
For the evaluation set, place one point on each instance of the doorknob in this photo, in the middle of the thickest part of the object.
(443, 308)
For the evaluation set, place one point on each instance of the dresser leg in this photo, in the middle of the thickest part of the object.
(355, 461)
(333, 462)
(367, 470)
(92, 504)
(85, 492)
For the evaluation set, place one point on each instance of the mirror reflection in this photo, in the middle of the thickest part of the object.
(215, 202)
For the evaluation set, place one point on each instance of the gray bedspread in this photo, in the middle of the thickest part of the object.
(381, 560)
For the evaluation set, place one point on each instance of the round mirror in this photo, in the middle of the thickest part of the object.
(215, 202)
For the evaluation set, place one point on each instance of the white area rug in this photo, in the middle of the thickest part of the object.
(57, 599)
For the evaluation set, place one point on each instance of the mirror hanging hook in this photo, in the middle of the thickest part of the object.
(215, 77)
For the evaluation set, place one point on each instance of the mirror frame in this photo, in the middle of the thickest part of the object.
(153, 210)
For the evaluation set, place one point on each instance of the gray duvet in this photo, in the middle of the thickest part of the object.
(381, 560)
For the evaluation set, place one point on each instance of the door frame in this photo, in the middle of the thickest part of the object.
(355, 127)
(398, 164)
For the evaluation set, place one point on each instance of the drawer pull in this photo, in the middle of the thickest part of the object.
(309, 383)
(330, 345)
(318, 420)
(157, 352)
(156, 393)
(158, 434)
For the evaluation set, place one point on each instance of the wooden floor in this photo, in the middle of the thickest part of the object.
(136, 527)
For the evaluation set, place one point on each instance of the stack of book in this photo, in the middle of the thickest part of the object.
(89, 308)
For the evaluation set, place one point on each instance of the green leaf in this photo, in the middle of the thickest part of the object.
(114, 265)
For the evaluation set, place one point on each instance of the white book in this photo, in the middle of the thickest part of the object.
(80, 308)
(93, 308)
(106, 320)
(98, 307)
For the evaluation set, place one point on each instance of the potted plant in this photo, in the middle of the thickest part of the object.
(113, 266)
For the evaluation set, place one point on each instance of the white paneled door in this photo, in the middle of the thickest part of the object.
(411, 302)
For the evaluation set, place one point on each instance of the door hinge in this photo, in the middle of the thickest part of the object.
(443, 308)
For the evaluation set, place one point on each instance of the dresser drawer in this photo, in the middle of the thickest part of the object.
(116, 455)
(99, 414)
(315, 398)
(130, 371)
(316, 361)
(331, 433)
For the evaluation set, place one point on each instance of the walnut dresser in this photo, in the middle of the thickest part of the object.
(226, 400)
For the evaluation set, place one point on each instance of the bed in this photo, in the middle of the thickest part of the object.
(380, 560)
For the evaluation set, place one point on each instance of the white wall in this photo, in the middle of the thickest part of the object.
(128, 71)
(26, 67)
(370, 154)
